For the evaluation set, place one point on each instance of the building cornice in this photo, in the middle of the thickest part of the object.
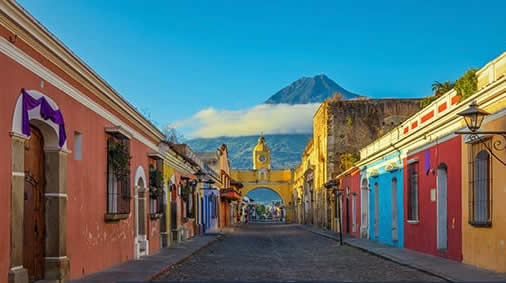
(26, 28)
(440, 127)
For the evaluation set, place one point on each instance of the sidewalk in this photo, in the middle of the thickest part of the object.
(151, 266)
(444, 268)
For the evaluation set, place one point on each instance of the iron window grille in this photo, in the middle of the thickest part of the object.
(480, 185)
(118, 187)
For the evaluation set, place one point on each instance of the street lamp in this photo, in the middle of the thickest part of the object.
(474, 116)
(332, 184)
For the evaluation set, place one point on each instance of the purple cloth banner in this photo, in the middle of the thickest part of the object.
(427, 162)
(46, 112)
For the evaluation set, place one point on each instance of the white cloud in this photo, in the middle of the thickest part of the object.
(266, 118)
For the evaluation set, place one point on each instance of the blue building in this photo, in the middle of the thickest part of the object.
(384, 182)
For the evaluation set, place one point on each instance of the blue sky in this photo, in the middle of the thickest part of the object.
(172, 59)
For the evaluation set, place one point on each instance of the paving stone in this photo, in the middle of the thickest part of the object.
(283, 252)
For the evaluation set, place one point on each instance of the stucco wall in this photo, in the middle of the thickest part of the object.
(92, 244)
(384, 181)
(351, 181)
(481, 246)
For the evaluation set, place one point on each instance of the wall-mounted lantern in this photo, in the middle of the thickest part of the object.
(474, 116)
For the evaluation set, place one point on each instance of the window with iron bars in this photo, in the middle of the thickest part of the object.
(156, 198)
(480, 185)
(413, 192)
(118, 186)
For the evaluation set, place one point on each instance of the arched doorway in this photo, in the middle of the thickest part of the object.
(442, 207)
(269, 205)
(38, 190)
(141, 244)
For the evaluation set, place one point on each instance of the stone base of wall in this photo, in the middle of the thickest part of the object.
(18, 276)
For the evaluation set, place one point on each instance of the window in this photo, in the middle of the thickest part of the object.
(214, 206)
(156, 194)
(118, 175)
(413, 191)
(479, 186)
(78, 144)
(190, 201)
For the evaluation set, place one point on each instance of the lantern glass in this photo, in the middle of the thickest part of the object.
(473, 116)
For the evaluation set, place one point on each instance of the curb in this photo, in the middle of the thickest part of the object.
(166, 268)
(440, 276)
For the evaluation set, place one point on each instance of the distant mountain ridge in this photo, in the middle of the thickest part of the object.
(309, 90)
(285, 149)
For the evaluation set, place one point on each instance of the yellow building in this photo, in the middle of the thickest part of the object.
(312, 173)
(484, 178)
(262, 176)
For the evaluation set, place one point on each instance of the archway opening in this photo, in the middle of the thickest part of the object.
(266, 206)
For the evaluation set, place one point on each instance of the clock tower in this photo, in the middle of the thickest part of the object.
(261, 155)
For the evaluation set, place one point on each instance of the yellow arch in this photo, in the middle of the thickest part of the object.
(279, 181)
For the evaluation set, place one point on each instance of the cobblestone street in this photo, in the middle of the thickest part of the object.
(259, 252)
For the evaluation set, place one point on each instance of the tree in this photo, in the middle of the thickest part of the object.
(346, 160)
(172, 135)
(260, 209)
(440, 88)
(336, 96)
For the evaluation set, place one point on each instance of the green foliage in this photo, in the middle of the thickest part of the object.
(427, 100)
(155, 183)
(261, 209)
(441, 88)
(155, 193)
(346, 160)
(186, 191)
(349, 121)
(119, 158)
(467, 84)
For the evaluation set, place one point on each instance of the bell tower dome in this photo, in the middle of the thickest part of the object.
(261, 155)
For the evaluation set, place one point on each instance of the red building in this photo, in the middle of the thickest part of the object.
(432, 190)
(349, 188)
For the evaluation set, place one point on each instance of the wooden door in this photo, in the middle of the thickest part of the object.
(33, 222)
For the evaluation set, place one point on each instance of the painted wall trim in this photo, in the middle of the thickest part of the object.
(29, 63)
(18, 16)
(411, 161)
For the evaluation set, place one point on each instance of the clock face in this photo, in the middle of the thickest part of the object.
(261, 158)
